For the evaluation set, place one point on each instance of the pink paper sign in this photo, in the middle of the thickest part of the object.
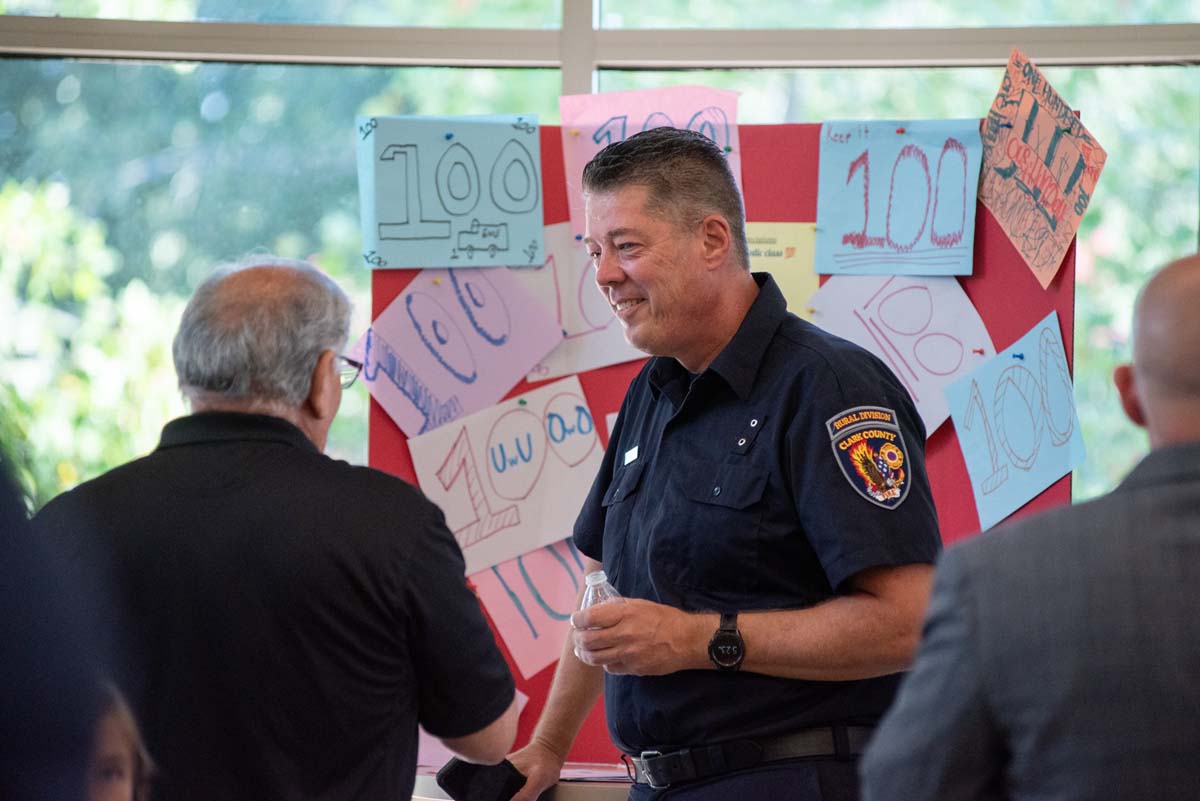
(925, 329)
(512, 477)
(1040, 167)
(592, 337)
(530, 599)
(590, 122)
(452, 343)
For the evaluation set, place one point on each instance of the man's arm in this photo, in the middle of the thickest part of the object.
(573, 693)
(870, 630)
(489, 744)
(939, 740)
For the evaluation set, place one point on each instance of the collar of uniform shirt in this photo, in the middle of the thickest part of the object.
(739, 361)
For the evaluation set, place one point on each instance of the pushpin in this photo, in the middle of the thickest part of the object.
(1020, 356)
(728, 149)
(578, 237)
(521, 401)
(449, 136)
(899, 130)
(437, 282)
(978, 350)
(810, 309)
(1006, 125)
(574, 132)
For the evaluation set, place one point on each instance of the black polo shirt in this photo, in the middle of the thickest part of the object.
(286, 619)
(793, 462)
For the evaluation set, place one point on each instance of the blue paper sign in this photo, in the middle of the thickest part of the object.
(450, 191)
(1016, 422)
(897, 197)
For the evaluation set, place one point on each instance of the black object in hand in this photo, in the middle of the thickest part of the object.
(466, 781)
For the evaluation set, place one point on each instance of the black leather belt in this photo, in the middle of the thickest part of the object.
(661, 770)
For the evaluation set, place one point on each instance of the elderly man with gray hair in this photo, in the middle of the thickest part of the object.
(284, 619)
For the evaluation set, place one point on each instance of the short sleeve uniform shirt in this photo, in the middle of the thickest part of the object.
(793, 462)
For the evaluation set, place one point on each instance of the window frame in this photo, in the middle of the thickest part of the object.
(580, 48)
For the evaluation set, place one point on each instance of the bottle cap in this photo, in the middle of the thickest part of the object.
(596, 578)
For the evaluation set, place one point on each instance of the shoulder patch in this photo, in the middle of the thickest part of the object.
(869, 447)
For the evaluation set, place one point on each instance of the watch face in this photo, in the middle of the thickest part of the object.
(725, 649)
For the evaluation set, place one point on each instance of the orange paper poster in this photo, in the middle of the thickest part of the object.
(1040, 167)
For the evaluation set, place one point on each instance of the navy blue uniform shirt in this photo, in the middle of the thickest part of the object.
(793, 462)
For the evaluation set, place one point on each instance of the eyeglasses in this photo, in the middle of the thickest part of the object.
(348, 370)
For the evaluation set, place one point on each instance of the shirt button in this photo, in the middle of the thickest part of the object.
(754, 423)
(716, 491)
(741, 442)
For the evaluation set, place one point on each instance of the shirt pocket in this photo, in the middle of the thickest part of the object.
(715, 545)
(618, 502)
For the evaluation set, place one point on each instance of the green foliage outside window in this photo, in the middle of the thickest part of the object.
(127, 183)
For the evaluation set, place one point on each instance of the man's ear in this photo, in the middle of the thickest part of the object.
(717, 239)
(1126, 383)
(324, 391)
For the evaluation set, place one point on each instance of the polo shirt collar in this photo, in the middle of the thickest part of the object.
(206, 427)
(739, 361)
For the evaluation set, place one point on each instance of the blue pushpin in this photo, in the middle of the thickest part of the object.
(1020, 356)
(578, 237)
(449, 136)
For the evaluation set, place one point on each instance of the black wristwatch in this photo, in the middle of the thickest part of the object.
(726, 649)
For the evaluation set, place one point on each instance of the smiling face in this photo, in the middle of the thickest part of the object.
(653, 274)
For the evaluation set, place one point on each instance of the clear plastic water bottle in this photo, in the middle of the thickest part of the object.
(599, 590)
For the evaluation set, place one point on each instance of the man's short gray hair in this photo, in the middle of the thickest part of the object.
(259, 340)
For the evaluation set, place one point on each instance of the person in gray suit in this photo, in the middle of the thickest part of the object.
(1060, 657)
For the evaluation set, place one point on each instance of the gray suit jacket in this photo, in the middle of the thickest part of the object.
(1060, 657)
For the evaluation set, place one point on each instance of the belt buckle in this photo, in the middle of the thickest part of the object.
(646, 772)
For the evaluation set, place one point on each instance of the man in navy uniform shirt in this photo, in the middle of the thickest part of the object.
(763, 506)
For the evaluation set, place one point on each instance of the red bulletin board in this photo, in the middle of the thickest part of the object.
(779, 179)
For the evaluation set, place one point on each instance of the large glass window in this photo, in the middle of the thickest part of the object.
(774, 14)
(410, 13)
(125, 183)
(1146, 210)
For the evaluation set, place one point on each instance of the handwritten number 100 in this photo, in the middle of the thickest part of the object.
(861, 239)
(1034, 395)
(710, 122)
